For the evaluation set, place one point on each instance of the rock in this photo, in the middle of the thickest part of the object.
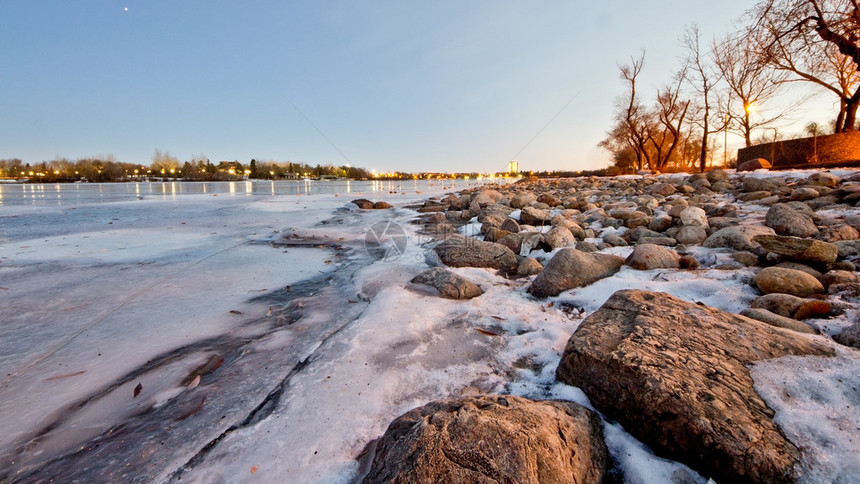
(614, 240)
(548, 199)
(767, 317)
(781, 304)
(641, 232)
(839, 232)
(492, 439)
(785, 220)
(824, 179)
(523, 243)
(799, 248)
(559, 237)
(675, 375)
(804, 193)
(529, 266)
(381, 205)
(813, 309)
(738, 237)
(660, 223)
(694, 216)
(649, 256)
(521, 200)
(466, 252)
(448, 284)
(664, 241)
(798, 266)
(691, 235)
(486, 197)
(835, 277)
(363, 203)
(534, 216)
(662, 189)
(753, 165)
(747, 259)
(570, 268)
(510, 225)
(715, 176)
(849, 336)
(495, 235)
(751, 184)
(787, 281)
(848, 248)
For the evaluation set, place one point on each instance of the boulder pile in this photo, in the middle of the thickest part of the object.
(674, 373)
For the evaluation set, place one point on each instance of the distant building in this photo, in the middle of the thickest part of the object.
(513, 167)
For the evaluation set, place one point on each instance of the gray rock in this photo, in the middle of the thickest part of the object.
(739, 237)
(785, 220)
(510, 225)
(448, 284)
(570, 268)
(534, 216)
(675, 375)
(804, 193)
(466, 252)
(694, 216)
(849, 336)
(492, 439)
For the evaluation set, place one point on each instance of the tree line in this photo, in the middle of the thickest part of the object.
(105, 168)
(720, 86)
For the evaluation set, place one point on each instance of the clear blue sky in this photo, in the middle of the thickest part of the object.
(394, 85)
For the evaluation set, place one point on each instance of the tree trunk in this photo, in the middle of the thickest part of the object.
(703, 155)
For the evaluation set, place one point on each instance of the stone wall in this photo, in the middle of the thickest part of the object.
(825, 150)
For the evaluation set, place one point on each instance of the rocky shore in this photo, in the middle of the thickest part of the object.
(677, 374)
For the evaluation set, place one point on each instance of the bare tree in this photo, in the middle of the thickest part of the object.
(817, 41)
(703, 77)
(750, 81)
(670, 111)
(635, 118)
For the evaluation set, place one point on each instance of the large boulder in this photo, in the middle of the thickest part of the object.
(787, 281)
(785, 220)
(448, 284)
(560, 237)
(675, 375)
(467, 252)
(738, 237)
(799, 248)
(492, 440)
(486, 197)
(520, 200)
(570, 268)
(694, 216)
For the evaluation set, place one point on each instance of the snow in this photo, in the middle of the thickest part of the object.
(322, 344)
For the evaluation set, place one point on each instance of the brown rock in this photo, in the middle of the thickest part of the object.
(559, 237)
(782, 304)
(534, 216)
(799, 248)
(529, 266)
(381, 205)
(466, 252)
(756, 164)
(739, 237)
(570, 268)
(448, 284)
(492, 440)
(777, 320)
(787, 281)
(838, 277)
(650, 256)
(675, 375)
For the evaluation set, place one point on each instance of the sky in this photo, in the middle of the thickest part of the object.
(446, 86)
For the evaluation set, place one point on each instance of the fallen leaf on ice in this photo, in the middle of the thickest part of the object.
(137, 390)
(254, 469)
(488, 333)
(233, 311)
(269, 312)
